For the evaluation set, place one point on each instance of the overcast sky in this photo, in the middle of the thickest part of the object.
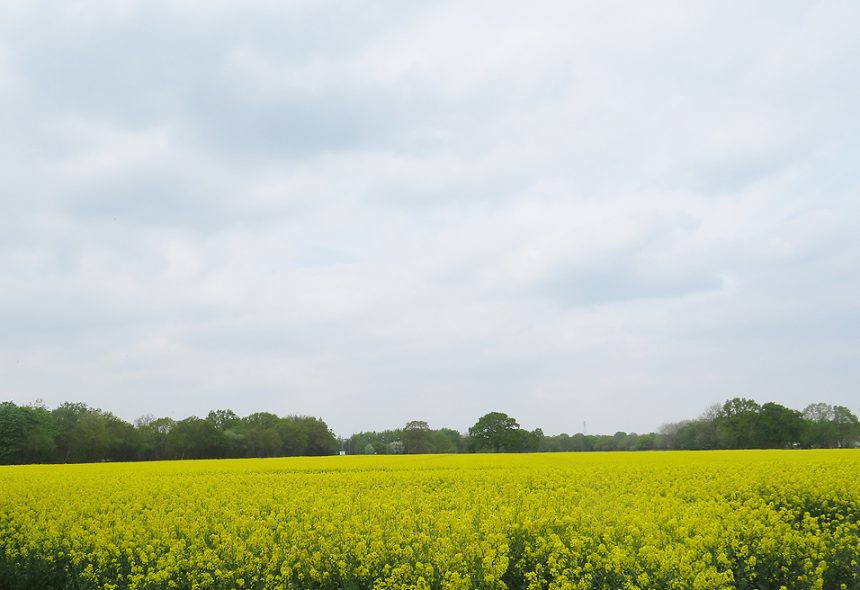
(616, 213)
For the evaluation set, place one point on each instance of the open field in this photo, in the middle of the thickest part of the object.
(729, 519)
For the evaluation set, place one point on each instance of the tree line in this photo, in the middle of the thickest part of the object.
(742, 423)
(74, 432)
(739, 423)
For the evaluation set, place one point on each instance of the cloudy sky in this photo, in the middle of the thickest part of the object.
(616, 213)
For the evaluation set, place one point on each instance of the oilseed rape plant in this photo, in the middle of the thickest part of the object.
(671, 520)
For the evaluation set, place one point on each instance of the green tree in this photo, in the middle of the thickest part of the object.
(645, 442)
(123, 440)
(26, 434)
(497, 432)
(374, 443)
(294, 436)
(262, 434)
(320, 439)
(153, 436)
(228, 439)
(304, 435)
(89, 434)
(195, 438)
(691, 434)
(778, 427)
(69, 437)
(847, 426)
(446, 440)
(93, 436)
(736, 424)
(417, 437)
(829, 426)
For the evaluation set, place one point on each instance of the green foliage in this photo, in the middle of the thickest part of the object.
(499, 433)
(777, 427)
(26, 434)
(736, 424)
(76, 433)
(744, 424)
(827, 426)
(417, 437)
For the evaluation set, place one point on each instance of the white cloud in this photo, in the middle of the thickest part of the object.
(597, 211)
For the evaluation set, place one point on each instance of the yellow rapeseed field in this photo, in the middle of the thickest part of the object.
(708, 520)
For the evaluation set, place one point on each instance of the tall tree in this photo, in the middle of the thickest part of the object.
(778, 426)
(736, 423)
(497, 432)
(26, 434)
(153, 436)
(320, 439)
(829, 426)
(417, 437)
(447, 440)
(261, 431)
(195, 438)
(847, 426)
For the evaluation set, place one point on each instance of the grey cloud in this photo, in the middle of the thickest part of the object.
(149, 68)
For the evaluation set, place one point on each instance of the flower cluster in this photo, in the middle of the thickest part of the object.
(709, 520)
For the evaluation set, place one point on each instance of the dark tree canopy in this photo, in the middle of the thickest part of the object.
(75, 432)
(417, 437)
(497, 432)
(744, 424)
